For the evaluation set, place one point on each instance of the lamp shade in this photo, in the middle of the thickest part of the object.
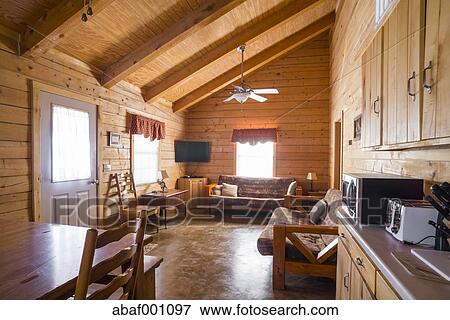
(163, 174)
(312, 176)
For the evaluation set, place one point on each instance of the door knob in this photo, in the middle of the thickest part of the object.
(94, 181)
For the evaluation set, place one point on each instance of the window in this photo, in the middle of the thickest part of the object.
(381, 8)
(71, 157)
(145, 159)
(254, 161)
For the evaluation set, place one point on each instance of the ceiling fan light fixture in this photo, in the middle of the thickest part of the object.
(241, 97)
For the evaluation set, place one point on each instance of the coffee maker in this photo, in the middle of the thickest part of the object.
(440, 199)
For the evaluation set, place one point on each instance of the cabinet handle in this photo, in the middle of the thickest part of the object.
(412, 95)
(346, 278)
(425, 83)
(377, 112)
(359, 262)
(342, 235)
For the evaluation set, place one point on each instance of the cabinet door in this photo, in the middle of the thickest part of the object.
(197, 188)
(416, 23)
(436, 108)
(358, 288)
(376, 74)
(366, 103)
(344, 262)
(403, 40)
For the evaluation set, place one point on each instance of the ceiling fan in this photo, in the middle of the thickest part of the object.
(242, 91)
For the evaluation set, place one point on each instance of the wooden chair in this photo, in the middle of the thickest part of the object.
(123, 188)
(316, 265)
(129, 258)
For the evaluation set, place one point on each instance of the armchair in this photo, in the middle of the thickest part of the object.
(317, 256)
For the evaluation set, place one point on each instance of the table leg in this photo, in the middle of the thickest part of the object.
(165, 218)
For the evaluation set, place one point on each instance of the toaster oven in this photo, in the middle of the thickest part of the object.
(407, 221)
(365, 196)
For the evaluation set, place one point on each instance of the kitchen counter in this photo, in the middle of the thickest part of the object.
(379, 245)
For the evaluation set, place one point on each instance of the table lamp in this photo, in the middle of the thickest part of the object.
(312, 176)
(162, 175)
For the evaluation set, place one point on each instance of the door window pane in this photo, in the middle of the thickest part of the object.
(254, 160)
(70, 144)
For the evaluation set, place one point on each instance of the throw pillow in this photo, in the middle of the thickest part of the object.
(291, 188)
(229, 190)
(318, 212)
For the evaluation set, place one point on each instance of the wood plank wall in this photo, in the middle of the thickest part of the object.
(302, 79)
(354, 21)
(15, 125)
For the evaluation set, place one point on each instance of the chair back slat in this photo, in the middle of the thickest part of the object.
(129, 257)
(115, 234)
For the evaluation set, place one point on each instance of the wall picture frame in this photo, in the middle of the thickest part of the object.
(357, 128)
(114, 139)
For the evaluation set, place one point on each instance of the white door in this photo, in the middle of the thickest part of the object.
(68, 160)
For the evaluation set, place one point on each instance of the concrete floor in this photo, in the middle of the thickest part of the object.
(206, 259)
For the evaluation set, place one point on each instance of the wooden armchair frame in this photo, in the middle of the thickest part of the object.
(315, 265)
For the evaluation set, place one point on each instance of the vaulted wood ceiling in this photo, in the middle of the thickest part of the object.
(178, 50)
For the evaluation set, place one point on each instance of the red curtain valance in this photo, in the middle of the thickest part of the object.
(253, 136)
(150, 128)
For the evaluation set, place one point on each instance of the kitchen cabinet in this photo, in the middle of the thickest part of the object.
(413, 108)
(402, 76)
(436, 71)
(357, 278)
(343, 273)
(372, 92)
(384, 290)
(359, 289)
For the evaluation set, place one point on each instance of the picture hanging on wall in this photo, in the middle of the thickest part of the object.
(114, 139)
(357, 128)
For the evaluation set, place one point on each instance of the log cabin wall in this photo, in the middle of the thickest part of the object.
(15, 124)
(354, 22)
(300, 112)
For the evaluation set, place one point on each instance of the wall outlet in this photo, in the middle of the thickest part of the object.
(107, 167)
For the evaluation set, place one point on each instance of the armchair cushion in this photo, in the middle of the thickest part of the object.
(318, 212)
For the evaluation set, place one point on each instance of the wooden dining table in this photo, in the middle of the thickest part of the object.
(41, 261)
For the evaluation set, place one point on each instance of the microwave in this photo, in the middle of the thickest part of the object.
(365, 195)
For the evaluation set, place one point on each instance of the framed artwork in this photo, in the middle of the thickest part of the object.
(357, 128)
(114, 139)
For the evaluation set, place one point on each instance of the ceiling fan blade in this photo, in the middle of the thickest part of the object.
(229, 98)
(257, 98)
(265, 91)
(239, 88)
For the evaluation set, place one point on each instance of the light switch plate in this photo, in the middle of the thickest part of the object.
(106, 167)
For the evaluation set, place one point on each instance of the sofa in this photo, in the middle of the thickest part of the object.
(253, 194)
(302, 247)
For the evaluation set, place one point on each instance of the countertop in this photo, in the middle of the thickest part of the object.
(379, 245)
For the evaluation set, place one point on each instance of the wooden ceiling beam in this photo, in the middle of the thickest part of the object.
(256, 62)
(171, 36)
(279, 15)
(53, 26)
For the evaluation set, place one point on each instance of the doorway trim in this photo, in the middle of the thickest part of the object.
(338, 128)
(36, 89)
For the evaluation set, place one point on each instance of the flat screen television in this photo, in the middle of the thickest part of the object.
(191, 151)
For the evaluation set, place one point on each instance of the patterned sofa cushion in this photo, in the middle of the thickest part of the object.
(258, 187)
(245, 203)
